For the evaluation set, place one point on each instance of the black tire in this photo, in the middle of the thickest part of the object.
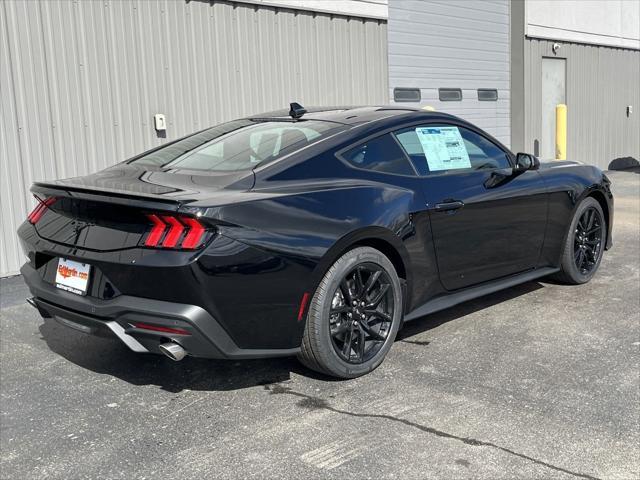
(321, 349)
(593, 244)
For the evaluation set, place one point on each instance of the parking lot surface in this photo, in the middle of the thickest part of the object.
(539, 381)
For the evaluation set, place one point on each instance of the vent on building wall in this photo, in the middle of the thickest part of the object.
(450, 94)
(487, 94)
(406, 95)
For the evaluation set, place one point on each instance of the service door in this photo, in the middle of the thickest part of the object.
(553, 94)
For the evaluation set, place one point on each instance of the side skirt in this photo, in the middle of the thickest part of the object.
(446, 301)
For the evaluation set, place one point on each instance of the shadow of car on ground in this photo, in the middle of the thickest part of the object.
(109, 356)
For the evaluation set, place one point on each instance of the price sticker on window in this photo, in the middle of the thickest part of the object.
(444, 148)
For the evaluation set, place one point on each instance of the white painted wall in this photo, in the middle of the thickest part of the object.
(356, 8)
(597, 22)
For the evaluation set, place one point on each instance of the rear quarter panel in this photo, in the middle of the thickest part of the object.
(309, 222)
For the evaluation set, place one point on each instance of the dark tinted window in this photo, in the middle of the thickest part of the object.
(239, 145)
(487, 94)
(382, 154)
(450, 94)
(406, 95)
(450, 149)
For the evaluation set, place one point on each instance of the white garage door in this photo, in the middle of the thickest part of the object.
(456, 55)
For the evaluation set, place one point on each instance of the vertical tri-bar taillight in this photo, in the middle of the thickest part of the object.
(173, 231)
(43, 205)
(195, 233)
(156, 232)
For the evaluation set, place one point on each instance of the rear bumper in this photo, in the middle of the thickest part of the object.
(118, 316)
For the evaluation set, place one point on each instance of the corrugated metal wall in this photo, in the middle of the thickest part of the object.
(81, 80)
(438, 44)
(600, 83)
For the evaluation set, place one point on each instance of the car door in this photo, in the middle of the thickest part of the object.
(487, 221)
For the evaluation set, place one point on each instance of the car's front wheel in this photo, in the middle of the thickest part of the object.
(354, 315)
(584, 244)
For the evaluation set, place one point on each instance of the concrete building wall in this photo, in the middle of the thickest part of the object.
(614, 23)
(465, 45)
(81, 81)
(600, 83)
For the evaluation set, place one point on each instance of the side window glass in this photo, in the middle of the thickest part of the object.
(483, 153)
(381, 154)
(450, 149)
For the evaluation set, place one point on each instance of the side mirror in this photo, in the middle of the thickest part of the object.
(526, 161)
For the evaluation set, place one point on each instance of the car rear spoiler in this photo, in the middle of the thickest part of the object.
(107, 195)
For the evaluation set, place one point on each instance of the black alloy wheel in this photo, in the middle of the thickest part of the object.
(587, 242)
(361, 313)
(584, 244)
(353, 316)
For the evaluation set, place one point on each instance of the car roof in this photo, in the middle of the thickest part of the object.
(352, 115)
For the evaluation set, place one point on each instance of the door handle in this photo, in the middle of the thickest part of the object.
(448, 206)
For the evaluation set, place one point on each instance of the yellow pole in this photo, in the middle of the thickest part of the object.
(561, 131)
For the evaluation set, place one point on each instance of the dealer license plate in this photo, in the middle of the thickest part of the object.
(72, 276)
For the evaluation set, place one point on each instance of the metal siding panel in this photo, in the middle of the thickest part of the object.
(12, 193)
(601, 82)
(462, 45)
(83, 80)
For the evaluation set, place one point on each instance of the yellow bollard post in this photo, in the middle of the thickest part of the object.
(561, 131)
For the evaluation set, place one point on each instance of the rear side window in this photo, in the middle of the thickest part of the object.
(239, 145)
(450, 149)
(381, 154)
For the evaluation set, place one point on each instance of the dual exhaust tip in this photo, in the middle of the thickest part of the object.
(172, 350)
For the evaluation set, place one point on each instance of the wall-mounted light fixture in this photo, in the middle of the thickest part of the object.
(160, 122)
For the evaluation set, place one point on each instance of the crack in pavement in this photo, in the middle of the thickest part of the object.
(312, 402)
(422, 343)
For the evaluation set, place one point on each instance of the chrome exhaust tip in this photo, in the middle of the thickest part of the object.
(172, 350)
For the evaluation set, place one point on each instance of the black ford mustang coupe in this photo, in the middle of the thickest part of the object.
(314, 234)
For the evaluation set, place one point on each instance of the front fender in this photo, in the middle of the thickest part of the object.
(568, 184)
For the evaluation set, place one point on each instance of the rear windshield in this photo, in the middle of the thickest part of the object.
(239, 145)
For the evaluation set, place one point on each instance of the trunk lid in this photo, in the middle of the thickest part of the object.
(107, 211)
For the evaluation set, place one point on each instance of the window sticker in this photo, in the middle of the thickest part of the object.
(444, 148)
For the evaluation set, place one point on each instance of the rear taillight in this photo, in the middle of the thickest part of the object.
(175, 232)
(195, 233)
(156, 232)
(169, 231)
(42, 207)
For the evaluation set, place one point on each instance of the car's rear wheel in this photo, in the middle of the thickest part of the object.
(584, 244)
(354, 315)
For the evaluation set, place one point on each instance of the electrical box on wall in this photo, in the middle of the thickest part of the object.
(160, 122)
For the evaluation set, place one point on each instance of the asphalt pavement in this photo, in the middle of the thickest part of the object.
(539, 381)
